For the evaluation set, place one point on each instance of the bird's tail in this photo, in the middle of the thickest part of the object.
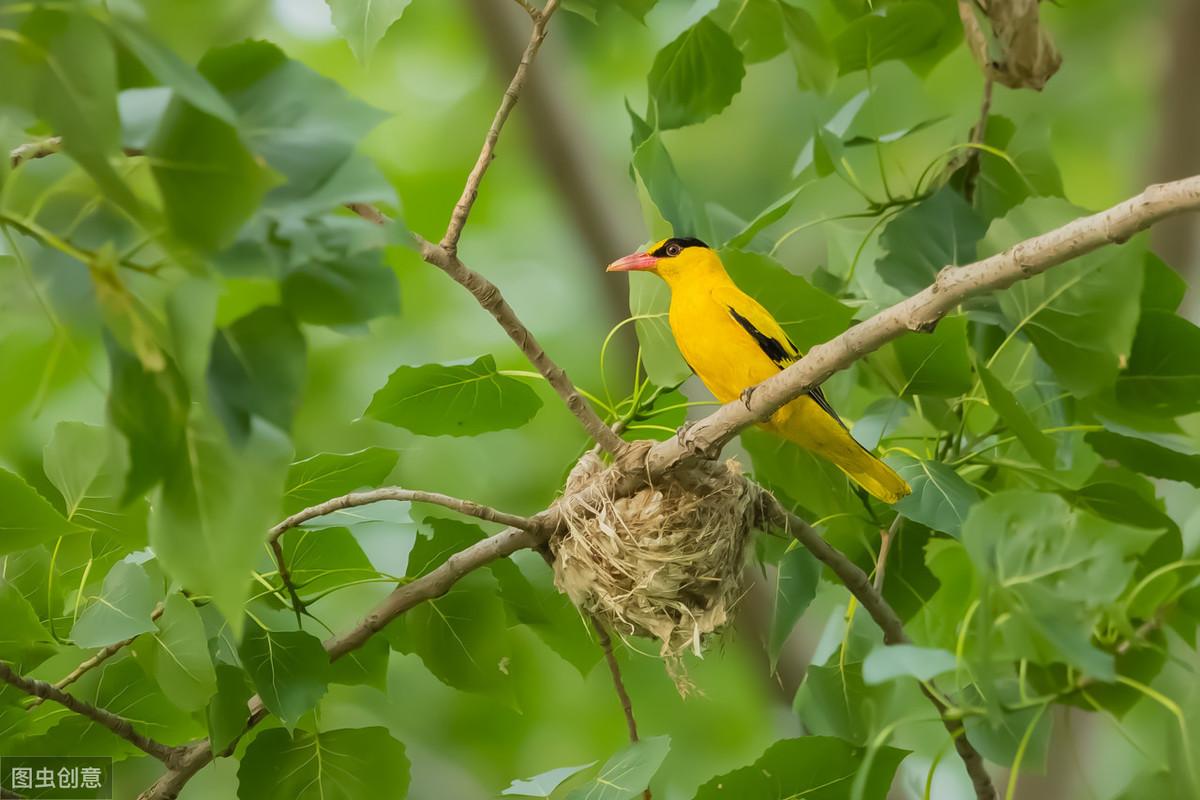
(873, 475)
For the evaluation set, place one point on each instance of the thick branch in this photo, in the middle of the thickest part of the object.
(885, 617)
(117, 724)
(921, 312)
(462, 209)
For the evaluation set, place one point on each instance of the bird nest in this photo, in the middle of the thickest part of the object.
(664, 563)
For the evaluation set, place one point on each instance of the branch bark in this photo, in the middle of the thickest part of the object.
(115, 723)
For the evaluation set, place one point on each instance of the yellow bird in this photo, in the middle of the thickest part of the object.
(732, 343)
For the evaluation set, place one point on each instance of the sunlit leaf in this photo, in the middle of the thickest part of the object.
(887, 663)
(544, 784)
(627, 773)
(121, 610)
(181, 661)
(454, 399)
(347, 764)
(328, 475)
(695, 76)
(940, 498)
(362, 23)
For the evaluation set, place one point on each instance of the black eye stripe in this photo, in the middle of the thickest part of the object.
(681, 243)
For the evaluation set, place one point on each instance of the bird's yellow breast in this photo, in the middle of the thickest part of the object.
(720, 352)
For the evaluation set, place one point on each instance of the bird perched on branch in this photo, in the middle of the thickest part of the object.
(732, 343)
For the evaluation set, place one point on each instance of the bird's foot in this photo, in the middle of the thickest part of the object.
(747, 393)
(686, 437)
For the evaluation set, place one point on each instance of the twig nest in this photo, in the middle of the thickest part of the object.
(664, 563)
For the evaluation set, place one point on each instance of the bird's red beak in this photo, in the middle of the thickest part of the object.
(632, 262)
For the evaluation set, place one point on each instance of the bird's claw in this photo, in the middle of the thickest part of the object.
(687, 440)
(747, 393)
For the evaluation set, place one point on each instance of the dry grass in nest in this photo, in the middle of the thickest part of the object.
(664, 563)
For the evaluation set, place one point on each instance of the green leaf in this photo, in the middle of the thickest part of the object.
(670, 199)
(326, 475)
(210, 182)
(364, 666)
(923, 663)
(812, 767)
(460, 636)
(767, 217)
(182, 664)
(1006, 406)
(454, 399)
(627, 773)
(346, 764)
(362, 23)
(544, 784)
(24, 641)
(756, 27)
(73, 459)
(257, 368)
(1152, 458)
(834, 701)
(695, 76)
(940, 499)
(891, 31)
(320, 560)
(1163, 289)
(171, 70)
(150, 409)
(795, 588)
(69, 59)
(307, 141)
(808, 315)
(336, 274)
(119, 686)
(937, 232)
(1163, 375)
(938, 363)
(227, 710)
(811, 52)
(121, 611)
(290, 671)
(26, 519)
(649, 299)
(1080, 316)
(1052, 586)
(216, 506)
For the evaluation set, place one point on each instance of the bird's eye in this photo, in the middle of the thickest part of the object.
(674, 249)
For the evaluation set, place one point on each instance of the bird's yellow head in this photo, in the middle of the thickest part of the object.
(674, 260)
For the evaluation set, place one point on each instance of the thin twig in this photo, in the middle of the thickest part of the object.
(96, 660)
(533, 11)
(614, 669)
(355, 499)
(117, 724)
(885, 547)
(462, 209)
(888, 621)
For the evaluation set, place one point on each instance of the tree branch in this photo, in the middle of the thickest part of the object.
(355, 499)
(95, 661)
(614, 669)
(886, 618)
(117, 724)
(921, 312)
(462, 209)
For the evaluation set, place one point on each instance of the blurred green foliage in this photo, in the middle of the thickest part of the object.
(197, 338)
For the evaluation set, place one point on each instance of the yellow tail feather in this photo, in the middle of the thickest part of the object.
(876, 477)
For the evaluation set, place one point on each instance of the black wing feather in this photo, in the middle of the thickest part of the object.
(781, 357)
